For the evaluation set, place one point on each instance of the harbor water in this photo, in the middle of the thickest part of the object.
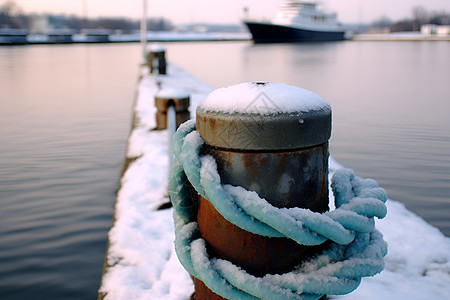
(65, 114)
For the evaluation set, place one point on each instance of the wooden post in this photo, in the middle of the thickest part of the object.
(156, 59)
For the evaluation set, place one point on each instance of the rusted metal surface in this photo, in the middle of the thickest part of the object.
(181, 104)
(285, 179)
(250, 132)
(202, 292)
(257, 254)
(161, 119)
(181, 109)
(160, 58)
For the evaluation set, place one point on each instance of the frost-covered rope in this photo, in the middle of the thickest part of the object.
(357, 251)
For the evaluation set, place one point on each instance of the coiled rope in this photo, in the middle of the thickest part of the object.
(356, 251)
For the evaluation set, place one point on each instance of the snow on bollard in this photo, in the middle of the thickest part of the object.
(167, 97)
(156, 58)
(270, 138)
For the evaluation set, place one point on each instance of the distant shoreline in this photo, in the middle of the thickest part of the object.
(205, 37)
(401, 36)
(35, 39)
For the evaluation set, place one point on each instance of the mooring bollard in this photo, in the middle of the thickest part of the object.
(270, 138)
(167, 97)
(156, 58)
(257, 159)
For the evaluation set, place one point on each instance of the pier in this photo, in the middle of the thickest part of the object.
(24, 38)
(141, 260)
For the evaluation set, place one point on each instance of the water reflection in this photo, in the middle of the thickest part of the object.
(64, 119)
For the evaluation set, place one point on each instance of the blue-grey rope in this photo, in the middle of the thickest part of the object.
(357, 251)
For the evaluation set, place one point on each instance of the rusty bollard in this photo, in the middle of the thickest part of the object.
(280, 153)
(156, 58)
(167, 97)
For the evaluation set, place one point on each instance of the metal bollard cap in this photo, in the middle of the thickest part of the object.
(171, 93)
(264, 116)
(179, 97)
(156, 48)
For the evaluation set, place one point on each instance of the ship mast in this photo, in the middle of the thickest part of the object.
(85, 14)
(144, 28)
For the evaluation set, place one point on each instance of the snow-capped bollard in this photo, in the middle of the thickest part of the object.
(156, 58)
(171, 96)
(270, 138)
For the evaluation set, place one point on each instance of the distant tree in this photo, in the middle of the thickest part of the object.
(404, 25)
(440, 18)
(382, 22)
(420, 17)
(420, 14)
(11, 15)
(75, 22)
(159, 24)
(123, 24)
(11, 8)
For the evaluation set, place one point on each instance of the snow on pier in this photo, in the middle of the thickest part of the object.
(141, 261)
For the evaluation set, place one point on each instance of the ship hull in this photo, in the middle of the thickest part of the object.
(13, 36)
(272, 33)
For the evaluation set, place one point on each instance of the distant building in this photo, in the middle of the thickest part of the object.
(433, 29)
(38, 23)
(13, 36)
(377, 30)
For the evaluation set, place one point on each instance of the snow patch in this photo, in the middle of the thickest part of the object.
(277, 97)
(143, 263)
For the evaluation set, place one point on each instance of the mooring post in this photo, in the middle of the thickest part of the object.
(173, 110)
(167, 97)
(156, 59)
(270, 138)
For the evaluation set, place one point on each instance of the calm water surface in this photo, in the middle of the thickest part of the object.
(65, 114)
(64, 119)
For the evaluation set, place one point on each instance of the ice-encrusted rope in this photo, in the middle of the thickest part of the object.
(357, 251)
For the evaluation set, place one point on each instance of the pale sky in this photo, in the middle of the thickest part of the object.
(228, 11)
